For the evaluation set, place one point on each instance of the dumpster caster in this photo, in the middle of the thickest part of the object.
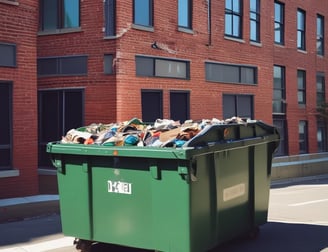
(82, 245)
(254, 233)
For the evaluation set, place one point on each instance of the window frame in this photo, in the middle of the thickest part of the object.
(110, 18)
(320, 35)
(238, 68)
(303, 137)
(301, 87)
(281, 89)
(255, 23)
(13, 58)
(9, 145)
(301, 30)
(236, 32)
(321, 95)
(322, 129)
(154, 61)
(150, 22)
(188, 14)
(279, 24)
(58, 63)
(60, 17)
(236, 106)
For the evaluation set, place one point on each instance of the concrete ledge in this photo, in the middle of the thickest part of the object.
(23, 208)
(299, 166)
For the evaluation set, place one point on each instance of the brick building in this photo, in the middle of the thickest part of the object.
(105, 61)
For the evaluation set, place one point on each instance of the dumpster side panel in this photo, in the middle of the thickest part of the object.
(74, 196)
(140, 202)
(203, 203)
(232, 181)
(262, 172)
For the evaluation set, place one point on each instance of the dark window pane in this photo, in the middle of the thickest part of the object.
(229, 106)
(244, 106)
(48, 66)
(50, 14)
(108, 64)
(73, 65)
(144, 66)
(152, 105)
(73, 109)
(5, 159)
(7, 55)
(179, 106)
(110, 13)
(5, 114)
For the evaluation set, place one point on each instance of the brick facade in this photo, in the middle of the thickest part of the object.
(19, 26)
(117, 97)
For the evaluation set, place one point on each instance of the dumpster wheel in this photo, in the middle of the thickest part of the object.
(82, 245)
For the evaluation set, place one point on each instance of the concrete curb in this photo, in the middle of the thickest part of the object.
(16, 209)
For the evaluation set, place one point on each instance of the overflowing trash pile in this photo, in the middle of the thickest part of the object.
(163, 133)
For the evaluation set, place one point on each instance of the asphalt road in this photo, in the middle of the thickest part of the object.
(297, 221)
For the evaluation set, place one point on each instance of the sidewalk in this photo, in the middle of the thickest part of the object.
(15, 209)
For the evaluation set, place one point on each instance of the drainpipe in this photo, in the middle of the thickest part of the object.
(209, 21)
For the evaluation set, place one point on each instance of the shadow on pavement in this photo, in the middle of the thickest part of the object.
(29, 229)
(273, 237)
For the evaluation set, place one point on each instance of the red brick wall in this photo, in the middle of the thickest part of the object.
(294, 60)
(19, 26)
(118, 97)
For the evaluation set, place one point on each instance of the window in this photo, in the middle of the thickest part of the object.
(152, 105)
(68, 65)
(6, 126)
(279, 23)
(237, 105)
(185, 14)
(8, 55)
(321, 135)
(301, 87)
(180, 105)
(110, 17)
(233, 18)
(279, 91)
(59, 14)
(59, 111)
(158, 67)
(280, 123)
(143, 12)
(300, 29)
(320, 89)
(303, 137)
(320, 35)
(108, 64)
(254, 20)
(229, 73)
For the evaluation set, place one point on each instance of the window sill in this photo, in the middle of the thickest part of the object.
(302, 51)
(59, 31)
(9, 173)
(9, 2)
(143, 28)
(258, 44)
(185, 30)
(47, 171)
(234, 39)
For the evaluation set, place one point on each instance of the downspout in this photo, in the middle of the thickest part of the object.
(209, 22)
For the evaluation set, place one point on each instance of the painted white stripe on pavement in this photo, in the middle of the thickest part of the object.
(42, 246)
(308, 202)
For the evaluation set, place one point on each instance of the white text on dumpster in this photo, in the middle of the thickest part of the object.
(119, 187)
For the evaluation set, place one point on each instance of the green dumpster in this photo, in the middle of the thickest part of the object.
(214, 188)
